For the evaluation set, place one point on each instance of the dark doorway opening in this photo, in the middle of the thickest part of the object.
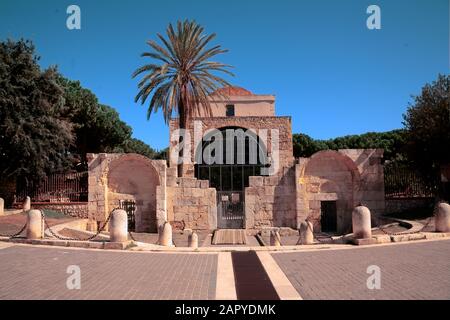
(243, 155)
(328, 216)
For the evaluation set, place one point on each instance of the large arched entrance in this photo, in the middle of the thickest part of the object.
(133, 178)
(227, 157)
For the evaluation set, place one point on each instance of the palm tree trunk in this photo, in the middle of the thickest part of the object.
(182, 125)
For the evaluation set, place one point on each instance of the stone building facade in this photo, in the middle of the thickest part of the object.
(275, 190)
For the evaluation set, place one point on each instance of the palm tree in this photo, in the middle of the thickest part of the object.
(183, 78)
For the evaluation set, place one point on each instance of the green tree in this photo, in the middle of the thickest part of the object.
(427, 121)
(182, 77)
(305, 146)
(34, 141)
(391, 141)
(97, 127)
(132, 145)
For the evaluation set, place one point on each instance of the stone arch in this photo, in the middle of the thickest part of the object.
(134, 177)
(331, 176)
(252, 135)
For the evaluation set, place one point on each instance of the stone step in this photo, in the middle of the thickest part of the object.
(229, 236)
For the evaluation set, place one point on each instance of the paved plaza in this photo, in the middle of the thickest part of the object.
(414, 270)
(41, 273)
(408, 271)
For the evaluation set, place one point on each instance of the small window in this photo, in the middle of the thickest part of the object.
(230, 110)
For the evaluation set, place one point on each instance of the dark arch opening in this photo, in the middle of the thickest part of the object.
(243, 154)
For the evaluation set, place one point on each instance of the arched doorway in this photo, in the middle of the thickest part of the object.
(332, 183)
(133, 178)
(227, 157)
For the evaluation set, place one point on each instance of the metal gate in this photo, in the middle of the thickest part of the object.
(230, 209)
(130, 208)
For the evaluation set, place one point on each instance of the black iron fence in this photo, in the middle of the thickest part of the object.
(65, 187)
(401, 181)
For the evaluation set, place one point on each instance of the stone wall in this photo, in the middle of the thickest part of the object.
(349, 177)
(407, 204)
(270, 200)
(115, 177)
(192, 204)
(370, 167)
(281, 124)
(72, 209)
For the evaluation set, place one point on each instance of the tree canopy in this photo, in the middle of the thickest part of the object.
(427, 123)
(34, 140)
(391, 141)
(181, 76)
(48, 123)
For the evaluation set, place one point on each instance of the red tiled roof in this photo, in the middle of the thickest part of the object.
(233, 91)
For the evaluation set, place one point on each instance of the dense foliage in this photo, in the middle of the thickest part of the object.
(427, 123)
(34, 140)
(48, 123)
(392, 142)
(181, 76)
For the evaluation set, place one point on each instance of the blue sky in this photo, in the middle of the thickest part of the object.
(328, 71)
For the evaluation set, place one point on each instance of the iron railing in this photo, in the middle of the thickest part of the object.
(65, 187)
(404, 182)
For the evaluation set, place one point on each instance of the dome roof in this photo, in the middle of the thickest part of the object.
(233, 91)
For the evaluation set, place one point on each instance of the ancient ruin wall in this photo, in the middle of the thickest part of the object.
(115, 177)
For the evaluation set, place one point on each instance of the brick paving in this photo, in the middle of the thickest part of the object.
(408, 271)
(13, 223)
(40, 273)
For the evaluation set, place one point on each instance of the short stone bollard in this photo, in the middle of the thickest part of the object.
(2, 206)
(275, 239)
(91, 225)
(306, 233)
(165, 237)
(35, 225)
(193, 240)
(362, 228)
(442, 219)
(26, 204)
(118, 226)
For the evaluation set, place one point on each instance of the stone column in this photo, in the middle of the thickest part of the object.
(118, 229)
(361, 224)
(275, 239)
(35, 225)
(26, 204)
(165, 236)
(91, 225)
(2, 206)
(442, 219)
(193, 240)
(306, 233)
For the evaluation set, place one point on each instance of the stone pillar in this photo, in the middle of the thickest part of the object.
(118, 229)
(26, 204)
(2, 206)
(35, 225)
(275, 239)
(442, 219)
(193, 240)
(165, 236)
(306, 233)
(91, 225)
(361, 224)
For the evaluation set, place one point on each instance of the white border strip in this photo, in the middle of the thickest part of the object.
(281, 283)
(225, 283)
